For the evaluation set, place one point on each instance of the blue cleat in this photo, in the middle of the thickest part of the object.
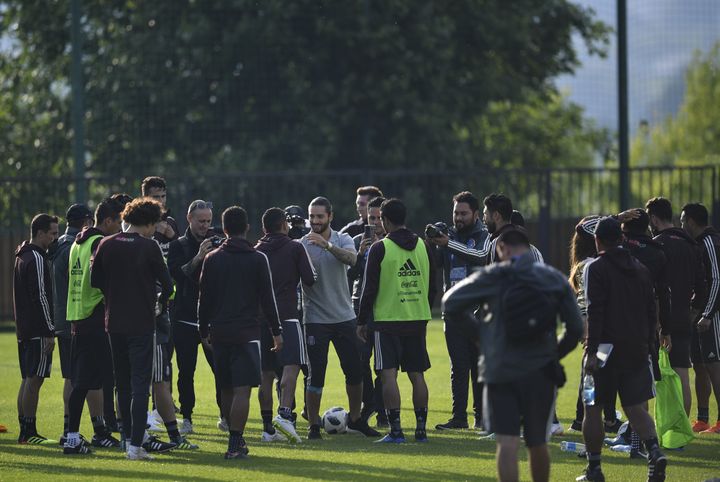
(389, 439)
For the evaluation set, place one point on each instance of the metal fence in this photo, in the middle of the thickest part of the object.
(551, 200)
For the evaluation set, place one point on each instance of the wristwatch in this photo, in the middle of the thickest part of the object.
(329, 246)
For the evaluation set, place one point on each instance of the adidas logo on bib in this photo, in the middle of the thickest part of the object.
(408, 269)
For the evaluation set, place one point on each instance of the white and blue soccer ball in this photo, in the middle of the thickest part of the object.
(334, 420)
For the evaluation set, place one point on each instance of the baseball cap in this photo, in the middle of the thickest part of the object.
(516, 235)
(294, 211)
(78, 212)
(587, 225)
(608, 229)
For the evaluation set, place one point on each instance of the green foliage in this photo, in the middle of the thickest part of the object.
(693, 135)
(190, 86)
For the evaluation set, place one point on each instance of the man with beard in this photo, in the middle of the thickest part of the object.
(686, 279)
(329, 317)
(372, 394)
(167, 229)
(461, 249)
(705, 348)
(497, 215)
(364, 195)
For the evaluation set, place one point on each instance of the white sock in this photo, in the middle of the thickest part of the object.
(72, 439)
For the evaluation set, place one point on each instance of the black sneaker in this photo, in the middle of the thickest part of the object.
(79, 449)
(241, 453)
(314, 433)
(154, 444)
(361, 426)
(105, 441)
(612, 427)
(576, 426)
(657, 462)
(366, 413)
(591, 475)
(420, 435)
(452, 424)
(83, 441)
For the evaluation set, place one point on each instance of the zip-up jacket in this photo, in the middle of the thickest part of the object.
(463, 251)
(620, 306)
(32, 293)
(179, 260)
(709, 240)
(353, 228)
(407, 240)
(501, 360)
(235, 281)
(685, 278)
(60, 275)
(650, 253)
(289, 264)
(163, 240)
(127, 267)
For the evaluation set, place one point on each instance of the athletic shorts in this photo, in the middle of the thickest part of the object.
(633, 384)
(237, 365)
(293, 351)
(705, 347)
(408, 353)
(347, 346)
(64, 345)
(162, 366)
(34, 362)
(680, 352)
(91, 360)
(528, 402)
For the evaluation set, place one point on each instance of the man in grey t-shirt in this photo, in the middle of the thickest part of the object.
(329, 317)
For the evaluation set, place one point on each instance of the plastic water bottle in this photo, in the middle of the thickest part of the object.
(588, 392)
(572, 447)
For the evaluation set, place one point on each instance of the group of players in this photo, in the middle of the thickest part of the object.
(123, 291)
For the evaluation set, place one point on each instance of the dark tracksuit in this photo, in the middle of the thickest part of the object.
(463, 252)
(183, 315)
(706, 346)
(126, 268)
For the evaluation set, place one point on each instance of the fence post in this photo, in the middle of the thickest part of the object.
(715, 200)
(78, 94)
(545, 220)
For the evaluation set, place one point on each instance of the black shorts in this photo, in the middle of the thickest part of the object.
(237, 365)
(528, 402)
(64, 345)
(705, 347)
(347, 346)
(408, 353)
(162, 366)
(34, 362)
(91, 360)
(633, 384)
(680, 352)
(294, 351)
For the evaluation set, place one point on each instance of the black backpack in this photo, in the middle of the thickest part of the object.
(527, 311)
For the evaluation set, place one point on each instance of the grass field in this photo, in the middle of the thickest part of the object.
(448, 456)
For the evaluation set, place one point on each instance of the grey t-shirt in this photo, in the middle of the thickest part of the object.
(328, 300)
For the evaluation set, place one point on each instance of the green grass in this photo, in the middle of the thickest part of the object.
(448, 456)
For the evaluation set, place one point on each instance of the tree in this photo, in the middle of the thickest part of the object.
(188, 86)
(693, 135)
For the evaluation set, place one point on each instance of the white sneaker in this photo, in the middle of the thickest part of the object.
(276, 437)
(286, 427)
(556, 429)
(488, 438)
(222, 424)
(137, 453)
(185, 427)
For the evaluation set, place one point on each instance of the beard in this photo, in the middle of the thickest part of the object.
(491, 227)
(320, 228)
(463, 228)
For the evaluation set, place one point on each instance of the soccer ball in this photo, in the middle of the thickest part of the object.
(334, 420)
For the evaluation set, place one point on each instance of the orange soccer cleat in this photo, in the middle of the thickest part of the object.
(700, 426)
(714, 429)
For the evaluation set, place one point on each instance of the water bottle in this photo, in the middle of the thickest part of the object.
(572, 447)
(588, 392)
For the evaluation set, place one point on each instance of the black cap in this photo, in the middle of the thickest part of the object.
(608, 229)
(514, 236)
(294, 212)
(78, 212)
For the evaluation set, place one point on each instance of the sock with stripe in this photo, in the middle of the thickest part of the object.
(421, 418)
(21, 420)
(635, 442)
(30, 426)
(593, 459)
(235, 441)
(285, 412)
(99, 427)
(394, 418)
